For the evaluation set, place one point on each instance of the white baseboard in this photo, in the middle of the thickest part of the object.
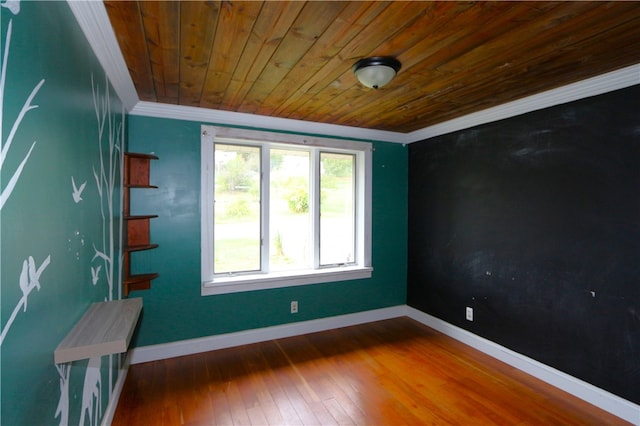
(600, 398)
(110, 411)
(221, 341)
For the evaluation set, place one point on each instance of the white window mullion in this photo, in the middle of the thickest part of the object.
(314, 207)
(207, 164)
(265, 178)
(365, 194)
(358, 203)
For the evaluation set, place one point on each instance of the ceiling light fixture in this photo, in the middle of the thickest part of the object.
(376, 71)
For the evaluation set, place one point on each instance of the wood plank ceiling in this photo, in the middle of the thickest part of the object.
(293, 59)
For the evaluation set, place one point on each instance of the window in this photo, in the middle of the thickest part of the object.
(281, 210)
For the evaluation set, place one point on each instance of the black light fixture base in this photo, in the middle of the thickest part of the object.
(388, 61)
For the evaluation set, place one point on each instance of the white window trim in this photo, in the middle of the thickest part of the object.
(249, 282)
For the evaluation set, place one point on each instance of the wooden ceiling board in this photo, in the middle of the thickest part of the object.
(332, 66)
(270, 28)
(327, 45)
(160, 21)
(127, 25)
(235, 23)
(313, 20)
(198, 23)
(293, 59)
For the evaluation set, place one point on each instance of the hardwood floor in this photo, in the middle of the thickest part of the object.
(384, 373)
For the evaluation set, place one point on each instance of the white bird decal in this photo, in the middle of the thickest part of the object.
(95, 274)
(24, 284)
(12, 5)
(77, 192)
(30, 277)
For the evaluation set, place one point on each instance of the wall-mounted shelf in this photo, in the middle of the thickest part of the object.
(106, 328)
(136, 175)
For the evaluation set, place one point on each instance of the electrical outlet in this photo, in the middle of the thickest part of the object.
(469, 314)
(294, 306)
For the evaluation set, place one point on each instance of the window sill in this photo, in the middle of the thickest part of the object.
(240, 283)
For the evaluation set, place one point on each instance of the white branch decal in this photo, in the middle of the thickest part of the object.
(62, 410)
(4, 147)
(92, 392)
(101, 255)
(30, 277)
(109, 129)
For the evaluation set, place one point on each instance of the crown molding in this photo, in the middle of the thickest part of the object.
(598, 85)
(230, 118)
(94, 22)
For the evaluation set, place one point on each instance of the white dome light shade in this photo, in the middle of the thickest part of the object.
(377, 71)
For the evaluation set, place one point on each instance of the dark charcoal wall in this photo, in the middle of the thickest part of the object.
(534, 222)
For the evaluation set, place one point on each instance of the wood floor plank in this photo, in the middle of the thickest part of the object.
(192, 390)
(393, 372)
(336, 411)
(275, 364)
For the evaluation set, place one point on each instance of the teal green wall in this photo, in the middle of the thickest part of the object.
(174, 309)
(48, 241)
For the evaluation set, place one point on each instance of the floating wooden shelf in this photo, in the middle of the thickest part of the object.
(106, 328)
(136, 175)
(137, 169)
(141, 217)
(141, 186)
(141, 247)
(139, 281)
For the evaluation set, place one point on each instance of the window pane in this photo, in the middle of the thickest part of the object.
(337, 208)
(236, 233)
(289, 217)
